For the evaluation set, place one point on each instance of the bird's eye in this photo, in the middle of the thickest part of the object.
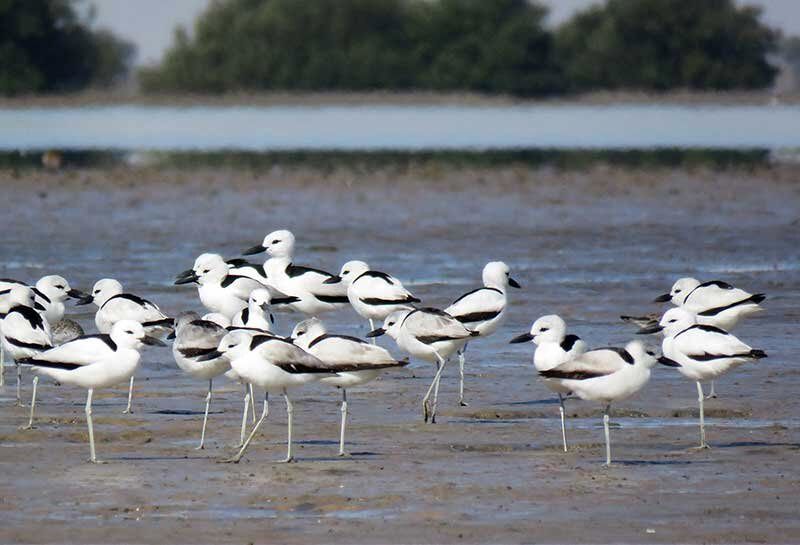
(345, 272)
(275, 241)
(129, 332)
(650, 352)
(60, 287)
(205, 271)
(301, 333)
(677, 291)
(96, 291)
(672, 321)
(391, 323)
(508, 273)
(544, 329)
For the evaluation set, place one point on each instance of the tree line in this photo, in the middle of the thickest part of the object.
(486, 46)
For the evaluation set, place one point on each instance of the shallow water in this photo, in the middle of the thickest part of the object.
(399, 127)
(589, 246)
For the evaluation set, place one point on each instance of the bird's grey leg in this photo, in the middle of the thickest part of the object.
(246, 443)
(2, 365)
(344, 422)
(92, 457)
(461, 362)
(563, 425)
(289, 411)
(253, 399)
(128, 409)
(33, 405)
(440, 364)
(712, 394)
(19, 385)
(205, 416)
(372, 328)
(700, 398)
(244, 415)
(608, 436)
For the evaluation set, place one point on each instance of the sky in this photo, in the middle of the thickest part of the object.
(150, 23)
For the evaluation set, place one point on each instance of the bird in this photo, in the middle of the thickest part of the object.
(25, 331)
(356, 361)
(52, 291)
(373, 294)
(196, 337)
(701, 352)
(274, 364)
(318, 291)
(95, 361)
(113, 305)
(645, 321)
(257, 315)
(715, 303)
(431, 335)
(482, 310)
(606, 375)
(553, 347)
(220, 289)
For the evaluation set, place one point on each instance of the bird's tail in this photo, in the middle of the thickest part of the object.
(757, 354)
(758, 298)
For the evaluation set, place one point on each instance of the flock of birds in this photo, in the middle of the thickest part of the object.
(236, 337)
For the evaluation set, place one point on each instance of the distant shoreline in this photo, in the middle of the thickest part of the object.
(118, 98)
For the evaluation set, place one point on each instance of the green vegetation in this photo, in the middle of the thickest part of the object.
(497, 46)
(46, 47)
(664, 44)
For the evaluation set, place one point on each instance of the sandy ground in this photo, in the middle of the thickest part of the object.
(587, 245)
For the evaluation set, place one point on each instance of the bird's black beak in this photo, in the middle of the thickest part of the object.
(152, 341)
(214, 354)
(525, 337)
(333, 280)
(376, 332)
(513, 283)
(663, 298)
(663, 360)
(77, 294)
(186, 277)
(650, 330)
(38, 306)
(85, 299)
(171, 335)
(255, 250)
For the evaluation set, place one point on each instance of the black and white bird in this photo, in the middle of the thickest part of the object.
(701, 352)
(356, 362)
(25, 331)
(114, 304)
(95, 361)
(715, 303)
(606, 375)
(429, 334)
(318, 291)
(258, 313)
(482, 310)
(220, 289)
(273, 364)
(553, 348)
(195, 337)
(52, 292)
(6, 284)
(373, 294)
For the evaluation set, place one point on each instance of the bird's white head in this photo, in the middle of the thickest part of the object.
(549, 328)
(308, 330)
(352, 270)
(102, 291)
(680, 289)
(391, 325)
(56, 288)
(210, 268)
(276, 244)
(676, 320)
(235, 344)
(260, 298)
(642, 355)
(131, 334)
(497, 274)
(21, 295)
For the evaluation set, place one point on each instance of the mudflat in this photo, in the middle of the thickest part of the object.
(588, 245)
